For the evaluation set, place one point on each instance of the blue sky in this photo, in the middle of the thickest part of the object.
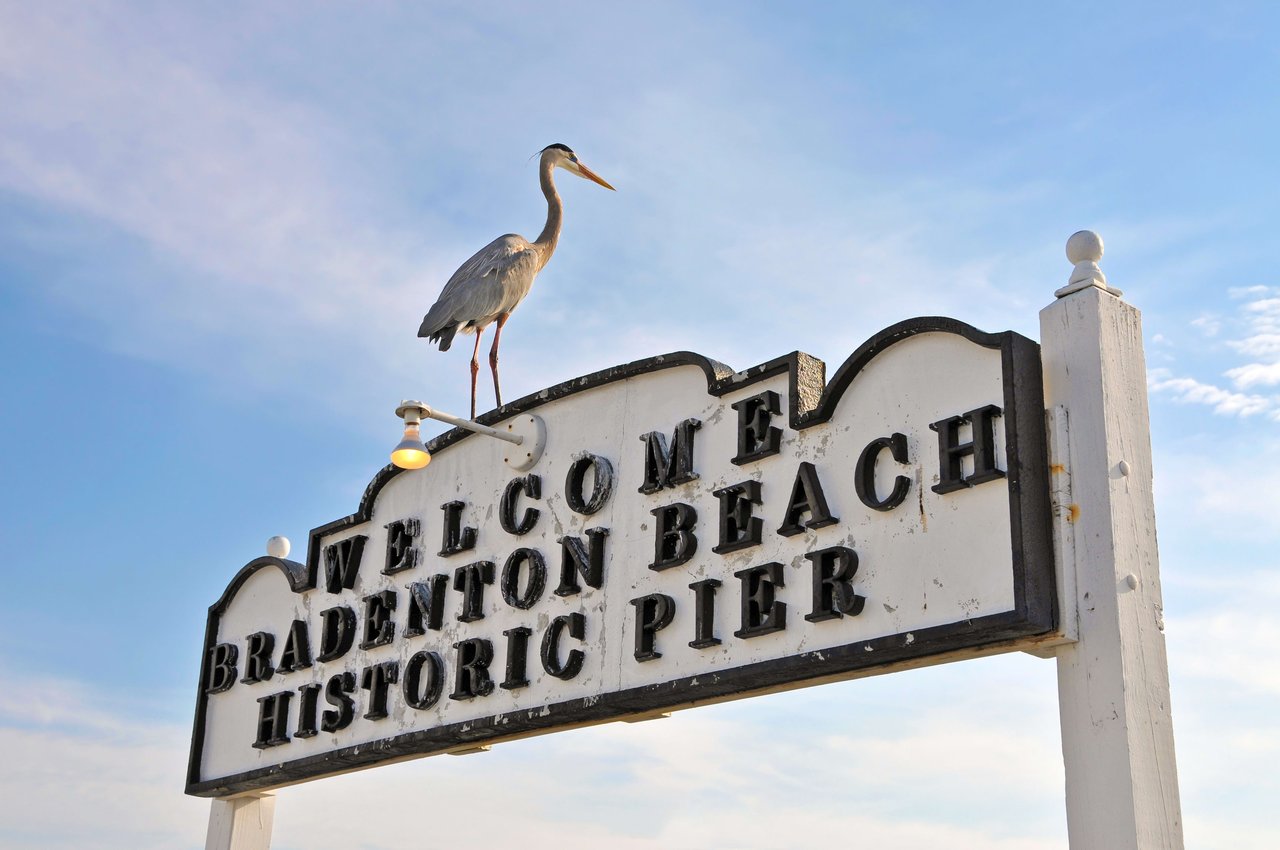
(221, 223)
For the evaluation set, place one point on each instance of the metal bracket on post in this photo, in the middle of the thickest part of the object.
(1064, 512)
(241, 823)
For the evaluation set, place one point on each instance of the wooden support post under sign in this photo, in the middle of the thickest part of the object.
(241, 823)
(1113, 682)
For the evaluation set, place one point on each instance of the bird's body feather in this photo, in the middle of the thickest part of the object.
(491, 283)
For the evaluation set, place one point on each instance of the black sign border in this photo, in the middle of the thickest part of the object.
(813, 401)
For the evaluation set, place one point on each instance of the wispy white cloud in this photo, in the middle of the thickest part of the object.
(1225, 681)
(220, 176)
(265, 243)
(1216, 504)
(1260, 340)
(1209, 325)
(1191, 391)
(1261, 344)
(1256, 334)
(1234, 651)
(82, 770)
(1255, 374)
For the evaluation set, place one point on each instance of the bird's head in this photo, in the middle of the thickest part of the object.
(561, 156)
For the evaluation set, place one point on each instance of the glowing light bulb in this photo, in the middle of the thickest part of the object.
(410, 453)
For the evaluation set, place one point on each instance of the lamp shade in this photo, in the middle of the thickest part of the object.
(410, 453)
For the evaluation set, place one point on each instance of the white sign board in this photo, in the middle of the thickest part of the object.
(689, 535)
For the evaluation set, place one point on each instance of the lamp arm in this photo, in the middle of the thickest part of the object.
(459, 422)
(412, 412)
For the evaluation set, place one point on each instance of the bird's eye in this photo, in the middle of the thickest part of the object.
(573, 158)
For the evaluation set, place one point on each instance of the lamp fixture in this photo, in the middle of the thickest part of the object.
(411, 453)
(526, 434)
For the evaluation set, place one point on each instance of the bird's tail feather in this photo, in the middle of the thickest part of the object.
(438, 331)
(444, 336)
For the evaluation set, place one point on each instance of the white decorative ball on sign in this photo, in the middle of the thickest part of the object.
(278, 547)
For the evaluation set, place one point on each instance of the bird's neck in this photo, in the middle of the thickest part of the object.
(550, 235)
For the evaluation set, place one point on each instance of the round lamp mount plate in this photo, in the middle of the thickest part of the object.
(533, 432)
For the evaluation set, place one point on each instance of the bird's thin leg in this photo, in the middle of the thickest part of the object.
(493, 357)
(475, 370)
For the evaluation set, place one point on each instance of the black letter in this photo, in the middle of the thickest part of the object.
(297, 648)
(416, 696)
(471, 679)
(470, 580)
(257, 658)
(577, 624)
(864, 476)
(336, 694)
(401, 553)
(761, 613)
(307, 711)
(375, 680)
(517, 654)
(704, 604)
(664, 468)
(342, 563)
(601, 488)
(575, 559)
(982, 446)
(738, 528)
(674, 542)
(653, 612)
(833, 572)
(456, 538)
(510, 584)
(426, 605)
(806, 497)
(756, 437)
(337, 632)
(530, 485)
(273, 720)
(222, 668)
(378, 627)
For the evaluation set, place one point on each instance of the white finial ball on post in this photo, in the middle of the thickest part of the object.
(278, 547)
(1084, 250)
(1084, 246)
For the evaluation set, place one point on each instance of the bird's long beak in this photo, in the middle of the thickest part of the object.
(583, 171)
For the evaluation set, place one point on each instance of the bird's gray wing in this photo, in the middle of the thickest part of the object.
(493, 281)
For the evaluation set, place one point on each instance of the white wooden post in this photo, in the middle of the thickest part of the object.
(241, 823)
(1113, 682)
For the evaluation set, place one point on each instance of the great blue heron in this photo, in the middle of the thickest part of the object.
(489, 285)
